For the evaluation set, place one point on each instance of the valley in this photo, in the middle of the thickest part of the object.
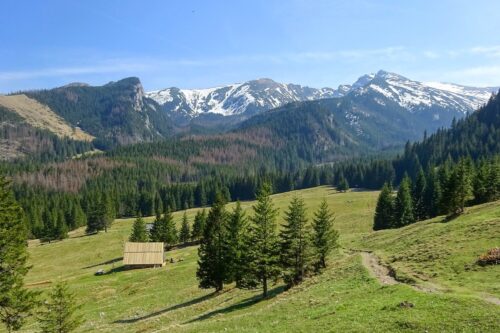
(168, 298)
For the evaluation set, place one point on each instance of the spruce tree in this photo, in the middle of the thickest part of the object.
(212, 263)
(263, 251)
(185, 232)
(418, 196)
(170, 237)
(59, 311)
(403, 204)
(384, 212)
(459, 187)
(164, 230)
(433, 195)
(16, 302)
(324, 237)
(198, 225)
(139, 231)
(295, 251)
(237, 230)
(157, 229)
(493, 183)
(343, 185)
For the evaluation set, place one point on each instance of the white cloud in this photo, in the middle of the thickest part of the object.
(474, 76)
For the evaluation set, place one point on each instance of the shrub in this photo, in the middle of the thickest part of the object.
(492, 257)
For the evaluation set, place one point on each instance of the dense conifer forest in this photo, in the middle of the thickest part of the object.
(60, 194)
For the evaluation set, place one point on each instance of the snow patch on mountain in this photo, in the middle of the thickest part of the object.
(263, 94)
(257, 95)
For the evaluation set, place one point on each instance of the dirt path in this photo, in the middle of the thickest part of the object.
(385, 276)
(382, 273)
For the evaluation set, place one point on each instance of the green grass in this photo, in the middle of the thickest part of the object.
(344, 298)
(444, 252)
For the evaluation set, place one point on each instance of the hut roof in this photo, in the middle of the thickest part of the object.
(143, 254)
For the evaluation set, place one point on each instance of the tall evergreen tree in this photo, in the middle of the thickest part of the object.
(263, 252)
(433, 195)
(59, 311)
(418, 196)
(384, 212)
(185, 232)
(324, 237)
(16, 302)
(343, 185)
(164, 230)
(295, 251)
(212, 263)
(139, 231)
(403, 204)
(459, 187)
(237, 230)
(198, 225)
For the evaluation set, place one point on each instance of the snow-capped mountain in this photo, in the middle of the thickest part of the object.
(419, 96)
(246, 98)
(260, 95)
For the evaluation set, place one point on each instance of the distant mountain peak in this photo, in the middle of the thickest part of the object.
(245, 98)
(262, 94)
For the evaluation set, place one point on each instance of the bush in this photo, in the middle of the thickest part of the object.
(492, 257)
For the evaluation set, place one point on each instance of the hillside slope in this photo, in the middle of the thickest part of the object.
(168, 299)
(41, 116)
(115, 113)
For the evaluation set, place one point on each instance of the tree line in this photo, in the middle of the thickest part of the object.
(443, 190)
(251, 252)
(55, 311)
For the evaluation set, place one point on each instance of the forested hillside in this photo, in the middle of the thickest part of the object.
(283, 147)
(115, 113)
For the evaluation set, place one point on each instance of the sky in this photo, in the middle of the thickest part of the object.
(200, 44)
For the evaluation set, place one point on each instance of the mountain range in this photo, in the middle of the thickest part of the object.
(260, 95)
(377, 111)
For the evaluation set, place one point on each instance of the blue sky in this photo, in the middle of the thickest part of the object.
(196, 44)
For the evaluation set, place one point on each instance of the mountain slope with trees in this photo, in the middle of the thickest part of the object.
(115, 113)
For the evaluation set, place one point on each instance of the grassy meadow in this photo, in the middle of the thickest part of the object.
(345, 298)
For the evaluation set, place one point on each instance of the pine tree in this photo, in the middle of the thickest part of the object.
(384, 212)
(324, 236)
(157, 229)
(198, 225)
(433, 195)
(212, 263)
(164, 230)
(61, 230)
(139, 231)
(343, 185)
(58, 314)
(158, 205)
(16, 302)
(100, 214)
(170, 230)
(185, 231)
(237, 230)
(403, 204)
(493, 183)
(459, 187)
(263, 251)
(480, 183)
(418, 196)
(295, 254)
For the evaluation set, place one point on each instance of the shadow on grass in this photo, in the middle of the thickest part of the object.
(239, 306)
(171, 308)
(109, 262)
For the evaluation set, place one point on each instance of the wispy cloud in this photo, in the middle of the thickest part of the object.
(117, 65)
(479, 76)
(395, 56)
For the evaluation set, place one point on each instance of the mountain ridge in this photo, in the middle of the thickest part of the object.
(255, 96)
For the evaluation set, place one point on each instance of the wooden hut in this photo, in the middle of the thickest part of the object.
(139, 255)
